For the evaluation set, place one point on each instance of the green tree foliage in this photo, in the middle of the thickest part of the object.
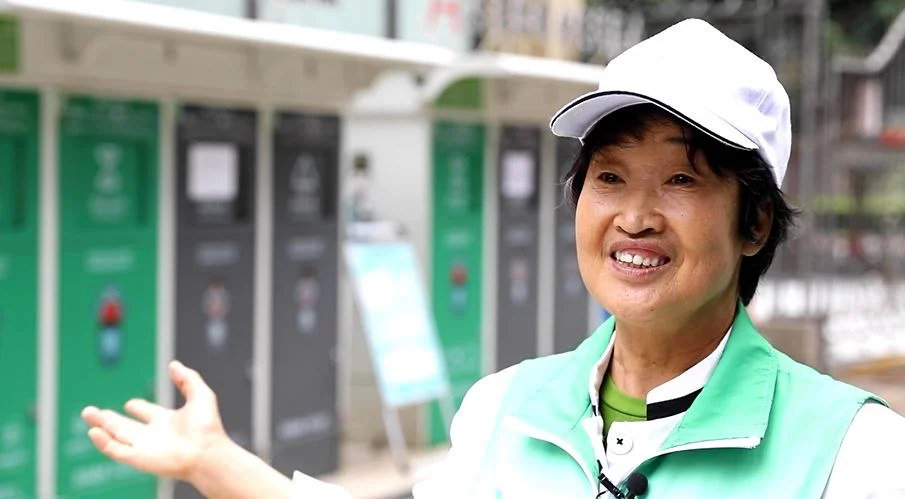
(856, 26)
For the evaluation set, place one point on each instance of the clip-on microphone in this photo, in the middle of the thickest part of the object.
(635, 484)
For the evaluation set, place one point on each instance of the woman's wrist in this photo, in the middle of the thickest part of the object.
(225, 470)
(213, 463)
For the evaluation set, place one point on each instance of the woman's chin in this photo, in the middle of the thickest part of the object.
(639, 309)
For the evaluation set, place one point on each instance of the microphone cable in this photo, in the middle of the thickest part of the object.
(635, 484)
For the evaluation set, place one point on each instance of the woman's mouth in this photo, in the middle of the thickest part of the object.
(638, 261)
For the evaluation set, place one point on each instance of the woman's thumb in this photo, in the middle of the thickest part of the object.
(189, 382)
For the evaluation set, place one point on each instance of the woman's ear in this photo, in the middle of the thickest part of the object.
(760, 230)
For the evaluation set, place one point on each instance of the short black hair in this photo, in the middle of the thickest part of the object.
(757, 188)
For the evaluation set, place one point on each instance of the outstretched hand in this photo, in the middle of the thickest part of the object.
(164, 442)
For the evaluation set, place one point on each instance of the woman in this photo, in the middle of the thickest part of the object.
(678, 215)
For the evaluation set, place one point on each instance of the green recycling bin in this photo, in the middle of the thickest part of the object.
(457, 248)
(19, 129)
(107, 283)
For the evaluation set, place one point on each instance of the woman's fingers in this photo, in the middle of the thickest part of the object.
(110, 447)
(145, 411)
(119, 427)
(92, 416)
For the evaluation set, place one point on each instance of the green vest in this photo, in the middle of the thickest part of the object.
(764, 425)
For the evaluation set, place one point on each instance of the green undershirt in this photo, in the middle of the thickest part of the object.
(617, 406)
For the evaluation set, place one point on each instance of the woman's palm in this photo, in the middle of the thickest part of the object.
(161, 441)
(172, 440)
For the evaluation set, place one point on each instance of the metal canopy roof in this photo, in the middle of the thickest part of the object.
(189, 24)
(498, 66)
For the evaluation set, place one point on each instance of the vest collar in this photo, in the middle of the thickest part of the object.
(734, 404)
(678, 392)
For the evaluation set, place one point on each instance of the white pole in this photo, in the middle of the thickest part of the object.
(166, 263)
(48, 306)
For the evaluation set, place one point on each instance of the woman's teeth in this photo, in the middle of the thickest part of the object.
(638, 260)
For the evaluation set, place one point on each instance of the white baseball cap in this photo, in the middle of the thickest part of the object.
(701, 76)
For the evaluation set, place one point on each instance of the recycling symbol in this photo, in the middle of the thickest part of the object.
(108, 179)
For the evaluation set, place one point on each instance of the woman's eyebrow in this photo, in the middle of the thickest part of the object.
(606, 157)
(678, 140)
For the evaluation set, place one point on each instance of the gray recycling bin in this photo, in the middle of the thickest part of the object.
(304, 429)
(517, 249)
(215, 231)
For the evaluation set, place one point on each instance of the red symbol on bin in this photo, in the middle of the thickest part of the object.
(459, 275)
(111, 311)
(109, 333)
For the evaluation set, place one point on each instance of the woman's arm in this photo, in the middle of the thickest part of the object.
(227, 471)
(190, 444)
(869, 463)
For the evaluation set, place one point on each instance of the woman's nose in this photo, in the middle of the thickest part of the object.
(639, 214)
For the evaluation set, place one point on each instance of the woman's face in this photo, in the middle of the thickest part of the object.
(656, 239)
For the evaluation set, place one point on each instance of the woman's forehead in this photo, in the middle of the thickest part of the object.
(667, 150)
(629, 129)
(663, 137)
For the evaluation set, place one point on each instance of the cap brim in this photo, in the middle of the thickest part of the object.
(577, 118)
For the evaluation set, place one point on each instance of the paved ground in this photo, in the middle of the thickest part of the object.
(372, 474)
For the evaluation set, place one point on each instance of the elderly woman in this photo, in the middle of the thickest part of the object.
(678, 214)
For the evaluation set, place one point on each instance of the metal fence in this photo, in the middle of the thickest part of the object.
(846, 267)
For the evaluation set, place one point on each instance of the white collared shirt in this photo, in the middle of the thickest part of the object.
(630, 443)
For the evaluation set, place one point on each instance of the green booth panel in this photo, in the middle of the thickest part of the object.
(457, 249)
(19, 139)
(107, 283)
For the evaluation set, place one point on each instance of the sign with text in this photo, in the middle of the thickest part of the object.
(400, 328)
(350, 16)
(446, 23)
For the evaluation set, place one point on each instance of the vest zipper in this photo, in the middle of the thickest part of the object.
(728, 443)
(537, 434)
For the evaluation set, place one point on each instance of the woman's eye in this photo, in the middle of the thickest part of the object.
(609, 178)
(681, 179)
